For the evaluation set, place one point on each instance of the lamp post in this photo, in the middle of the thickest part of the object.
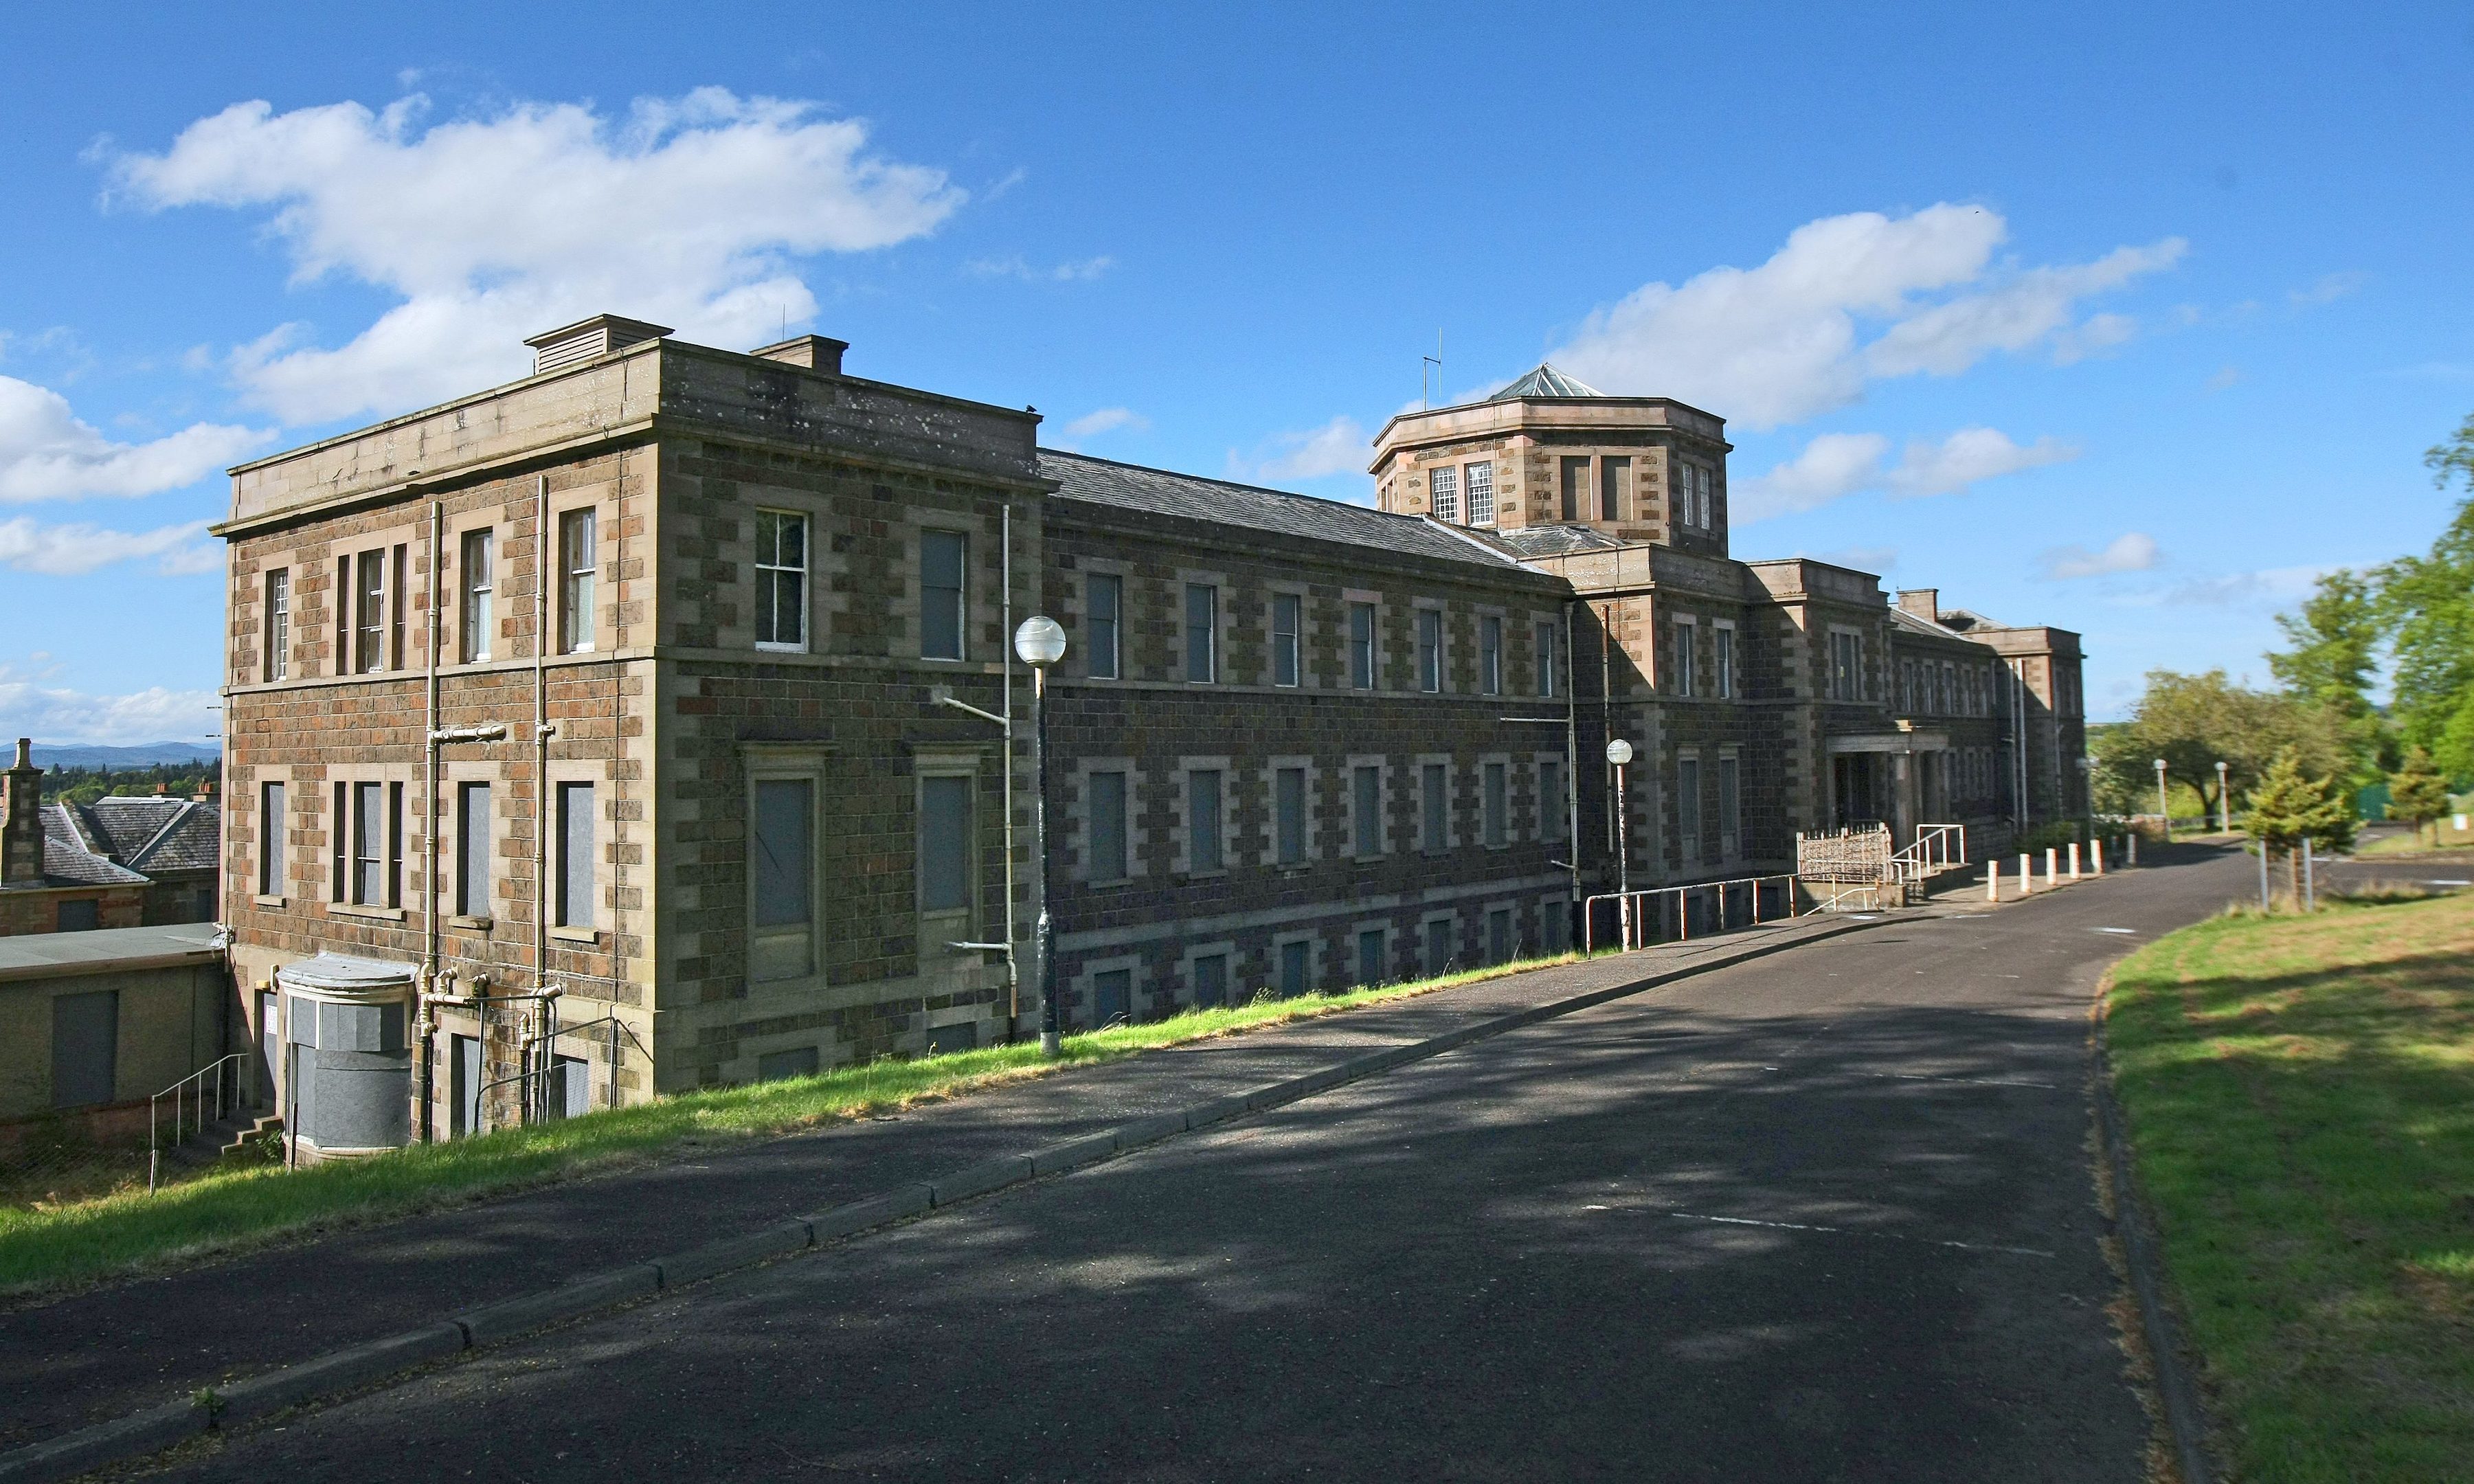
(1620, 753)
(1040, 643)
(2225, 803)
(2163, 809)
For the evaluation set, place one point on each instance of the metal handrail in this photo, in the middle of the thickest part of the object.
(179, 1092)
(535, 1093)
(1632, 922)
(1929, 852)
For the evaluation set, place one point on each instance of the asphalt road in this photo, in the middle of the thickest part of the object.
(1823, 1216)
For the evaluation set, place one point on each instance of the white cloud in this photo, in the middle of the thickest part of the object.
(2329, 288)
(67, 550)
(685, 210)
(2129, 551)
(1782, 342)
(47, 454)
(29, 709)
(1836, 465)
(1338, 447)
(1080, 270)
(1107, 420)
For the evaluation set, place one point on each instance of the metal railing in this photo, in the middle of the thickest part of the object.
(1936, 848)
(189, 1100)
(1642, 917)
(539, 1061)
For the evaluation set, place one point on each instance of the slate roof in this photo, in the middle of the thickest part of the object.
(1250, 508)
(1546, 382)
(1530, 541)
(124, 841)
(71, 860)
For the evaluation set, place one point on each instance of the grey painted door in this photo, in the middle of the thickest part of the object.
(464, 1085)
(269, 1046)
(86, 1045)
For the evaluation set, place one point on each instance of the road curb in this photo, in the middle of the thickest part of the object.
(2185, 1418)
(489, 1324)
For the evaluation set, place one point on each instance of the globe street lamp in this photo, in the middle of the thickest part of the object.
(2163, 809)
(1620, 753)
(2225, 803)
(1040, 643)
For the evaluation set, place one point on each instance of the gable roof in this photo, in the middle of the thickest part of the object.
(1546, 382)
(69, 860)
(1103, 481)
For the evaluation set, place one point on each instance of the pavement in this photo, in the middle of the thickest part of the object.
(93, 1356)
(1825, 1214)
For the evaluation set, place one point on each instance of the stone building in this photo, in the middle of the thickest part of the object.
(675, 679)
(120, 861)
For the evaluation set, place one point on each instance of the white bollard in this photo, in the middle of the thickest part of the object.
(2130, 846)
(1993, 881)
(2052, 866)
(2027, 874)
(2096, 853)
(2075, 859)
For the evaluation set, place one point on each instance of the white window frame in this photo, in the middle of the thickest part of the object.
(477, 608)
(1477, 484)
(941, 925)
(579, 596)
(1443, 493)
(1722, 659)
(769, 564)
(770, 763)
(276, 664)
(961, 597)
(1688, 634)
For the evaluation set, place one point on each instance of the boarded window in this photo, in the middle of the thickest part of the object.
(78, 914)
(271, 830)
(1551, 802)
(473, 850)
(575, 834)
(1576, 488)
(1370, 956)
(1201, 633)
(1439, 946)
(85, 1048)
(1211, 979)
(1108, 602)
(1289, 815)
(1497, 804)
(783, 884)
(1687, 807)
(1366, 808)
(1203, 801)
(481, 592)
(1614, 489)
(1112, 997)
(1498, 935)
(1286, 612)
(941, 594)
(1109, 827)
(569, 1089)
(1361, 645)
(578, 556)
(774, 1066)
(1297, 972)
(781, 581)
(1728, 788)
(944, 844)
(1433, 825)
(464, 1080)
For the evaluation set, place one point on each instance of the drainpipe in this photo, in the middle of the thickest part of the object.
(1013, 971)
(1572, 741)
(543, 557)
(429, 857)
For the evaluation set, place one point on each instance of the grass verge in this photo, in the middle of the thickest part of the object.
(2300, 1098)
(48, 1245)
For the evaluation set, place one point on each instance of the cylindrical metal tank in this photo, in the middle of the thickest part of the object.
(348, 1074)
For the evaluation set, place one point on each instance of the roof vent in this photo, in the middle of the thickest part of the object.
(586, 339)
(1546, 382)
(817, 352)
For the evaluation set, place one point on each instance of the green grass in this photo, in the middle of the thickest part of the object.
(2300, 1093)
(2442, 836)
(53, 1243)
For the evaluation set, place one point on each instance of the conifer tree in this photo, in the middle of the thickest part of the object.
(2290, 807)
(2417, 794)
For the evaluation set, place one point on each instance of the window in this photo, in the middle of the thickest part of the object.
(1361, 645)
(86, 1047)
(1551, 802)
(1729, 797)
(473, 850)
(1550, 659)
(1107, 593)
(569, 1093)
(271, 822)
(783, 879)
(1433, 826)
(1202, 795)
(1687, 806)
(369, 845)
(1109, 826)
(1845, 665)
(1211, 979)
(1489, 655)
(1430, 649)
(1289, 815)
(276, 664)
(1555, 925)
(1366, 809)
(1575, 473)
(943, 608)
(1201, 633)
(944, 844)
(1370, 956)
(1723, 637)
(1679, 494)
(1614, 489)
(463, 1085)
(1685, 633)
(1112, 997)
(1444, 485)
(1498, 935)
(1480, 481)
(781, 581)
(1701, 482)
(78, 914)
(577, 553)
(1439, 946)
(480, 590)
(1287, 609)
(395, 613)
(369, 613)
(1497, 802)
(576, 825)
(1297, 961)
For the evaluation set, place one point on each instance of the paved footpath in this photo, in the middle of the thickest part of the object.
(101, 1354)
(1823, 1215)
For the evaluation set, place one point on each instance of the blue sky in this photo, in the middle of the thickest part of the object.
(2129, 322)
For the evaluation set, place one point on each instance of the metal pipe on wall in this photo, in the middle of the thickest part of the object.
(1014, 968)
(423, 1014)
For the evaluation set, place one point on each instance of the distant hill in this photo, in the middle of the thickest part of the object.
(142, 755)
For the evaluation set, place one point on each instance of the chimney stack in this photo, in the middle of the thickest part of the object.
(1923, 602)
(21, 821)
(817, 352)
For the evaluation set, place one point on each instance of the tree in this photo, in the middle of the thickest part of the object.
(2195, 722)
(2290, 807)
(2426, 605)
(2335, 638)
(2417, 794)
